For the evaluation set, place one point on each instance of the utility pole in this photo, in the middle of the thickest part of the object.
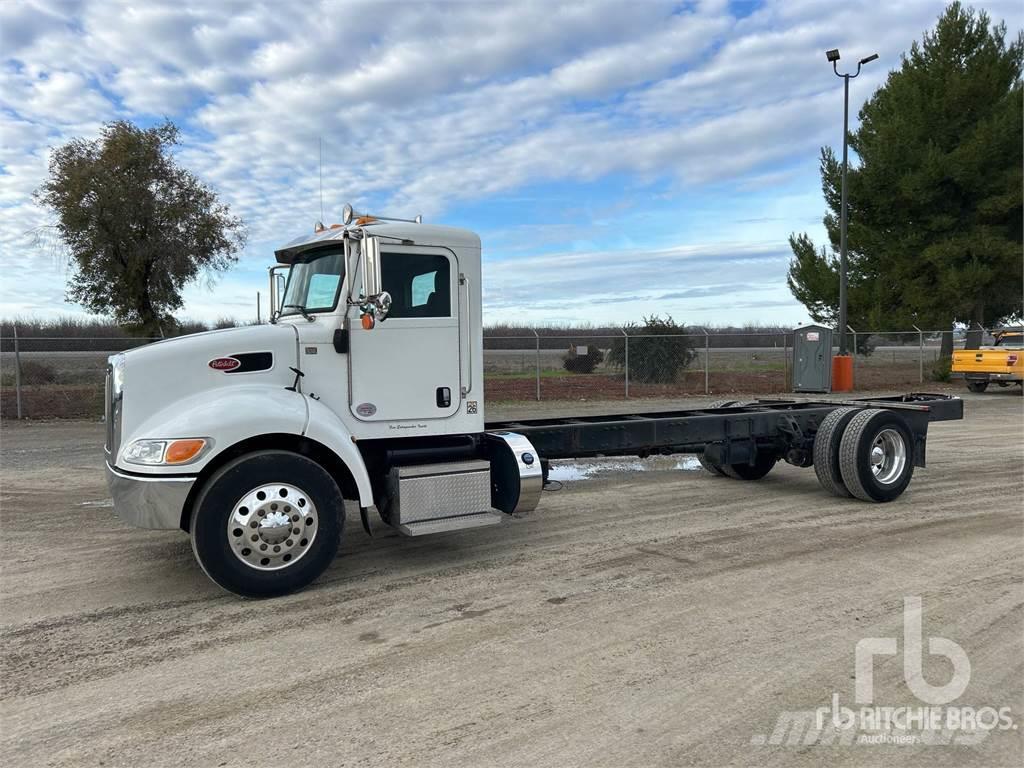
(833, 56)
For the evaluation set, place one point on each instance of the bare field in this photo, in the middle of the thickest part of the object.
(69, 385)
(643, 618)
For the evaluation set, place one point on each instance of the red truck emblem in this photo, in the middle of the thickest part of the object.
(224, 364)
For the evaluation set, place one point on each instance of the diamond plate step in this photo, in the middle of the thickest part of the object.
(447, 524)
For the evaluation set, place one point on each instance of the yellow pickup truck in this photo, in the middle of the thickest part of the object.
(1002, 363)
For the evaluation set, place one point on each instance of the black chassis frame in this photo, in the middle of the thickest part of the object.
(730, 435)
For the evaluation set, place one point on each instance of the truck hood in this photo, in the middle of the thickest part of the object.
(159, 376)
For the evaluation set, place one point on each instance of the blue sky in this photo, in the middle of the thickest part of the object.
(617, 159)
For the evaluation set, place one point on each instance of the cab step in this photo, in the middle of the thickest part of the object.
(449, 524)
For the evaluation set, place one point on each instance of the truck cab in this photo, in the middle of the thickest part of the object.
(366, 385)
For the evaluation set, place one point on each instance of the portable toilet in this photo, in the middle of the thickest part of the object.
(812, 359)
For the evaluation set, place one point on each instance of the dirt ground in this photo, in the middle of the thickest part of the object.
(638, 618)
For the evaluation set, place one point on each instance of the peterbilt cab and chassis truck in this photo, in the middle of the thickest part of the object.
(367, 386)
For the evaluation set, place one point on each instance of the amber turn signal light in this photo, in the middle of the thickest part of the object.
(367, 321)
(181, 451)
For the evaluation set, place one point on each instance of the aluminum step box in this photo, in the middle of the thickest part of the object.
(447, 496)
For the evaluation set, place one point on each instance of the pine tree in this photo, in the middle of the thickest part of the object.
(935, 203)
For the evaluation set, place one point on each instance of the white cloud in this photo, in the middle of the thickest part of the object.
(424, 107)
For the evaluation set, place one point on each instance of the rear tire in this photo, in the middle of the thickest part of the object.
(826, 451)
(710, 467)
(245, 519)
(977, 386)
(762, 465)
(876, 455)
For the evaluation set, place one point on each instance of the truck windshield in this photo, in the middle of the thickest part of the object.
(1010, 340)
(313, 285)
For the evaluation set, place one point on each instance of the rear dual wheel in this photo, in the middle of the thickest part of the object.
(865, 453)
(714, 469)
(762, 465)
(977, 386)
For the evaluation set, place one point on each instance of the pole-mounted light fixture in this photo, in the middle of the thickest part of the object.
(833, 56)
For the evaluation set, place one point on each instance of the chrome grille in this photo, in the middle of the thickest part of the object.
(112, 416)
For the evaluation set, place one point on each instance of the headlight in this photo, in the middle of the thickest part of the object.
(166, 451)
(117, 364)
(146, 452)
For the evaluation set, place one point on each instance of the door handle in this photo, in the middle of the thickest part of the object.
(443, 397)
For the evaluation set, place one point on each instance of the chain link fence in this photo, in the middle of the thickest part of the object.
(63, 377)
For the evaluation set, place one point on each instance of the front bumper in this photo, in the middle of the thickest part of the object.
(148, 501)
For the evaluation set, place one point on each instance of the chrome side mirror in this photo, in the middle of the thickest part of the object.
(381, 305)
(371, 267)
(278, 282)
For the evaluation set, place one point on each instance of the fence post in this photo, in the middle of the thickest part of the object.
(258, 320)
(626, 360)
(17, 372)
(536, 337)
(853, 356)
(785, 362)
(707, 359)
(920, 354)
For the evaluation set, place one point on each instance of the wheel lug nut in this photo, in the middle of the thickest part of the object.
(289, 542)
(263, 547)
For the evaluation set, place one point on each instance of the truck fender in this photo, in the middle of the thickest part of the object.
(228, 416)
(326, 428)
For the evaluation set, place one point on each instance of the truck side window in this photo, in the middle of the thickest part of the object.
(419, 284)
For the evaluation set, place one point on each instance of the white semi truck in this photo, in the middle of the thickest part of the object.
(367, 386)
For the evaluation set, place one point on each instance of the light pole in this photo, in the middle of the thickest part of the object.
(833, 56)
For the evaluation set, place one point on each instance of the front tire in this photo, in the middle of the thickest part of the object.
(267, 524)
(876, 455)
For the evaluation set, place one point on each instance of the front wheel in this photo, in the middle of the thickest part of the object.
(977, 386)
(267, 524)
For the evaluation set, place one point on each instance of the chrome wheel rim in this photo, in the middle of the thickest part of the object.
(888, 456)
(272, 526)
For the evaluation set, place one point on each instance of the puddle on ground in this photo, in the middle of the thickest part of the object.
(568, 471)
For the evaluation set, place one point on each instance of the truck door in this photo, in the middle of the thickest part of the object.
(409, 365)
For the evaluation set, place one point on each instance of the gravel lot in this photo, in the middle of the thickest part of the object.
(663, 617)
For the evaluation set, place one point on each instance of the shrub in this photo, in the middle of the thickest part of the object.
(658, 359)
(574, 362)
(942, 369)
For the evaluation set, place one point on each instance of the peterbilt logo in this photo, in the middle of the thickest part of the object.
(224, 364)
